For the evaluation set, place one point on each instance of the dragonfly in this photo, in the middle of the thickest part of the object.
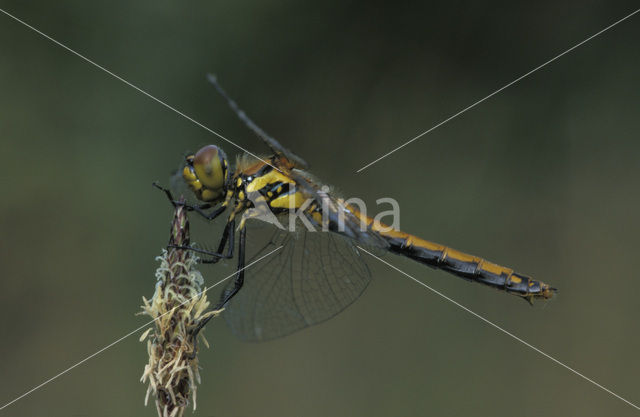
(316, 274)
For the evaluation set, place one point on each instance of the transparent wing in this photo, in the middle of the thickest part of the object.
(337, 211)
(273, 144)
(314, 276)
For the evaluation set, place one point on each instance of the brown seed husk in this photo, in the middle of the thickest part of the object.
(177, 306)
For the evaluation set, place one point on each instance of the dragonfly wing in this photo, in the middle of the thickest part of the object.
(278, 149)
(338, 212)
(273, 144)
(313, 277)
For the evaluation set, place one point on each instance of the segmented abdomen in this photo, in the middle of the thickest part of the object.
(362, 228)
(466, 266)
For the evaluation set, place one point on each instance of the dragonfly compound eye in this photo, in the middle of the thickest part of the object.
(206, 173)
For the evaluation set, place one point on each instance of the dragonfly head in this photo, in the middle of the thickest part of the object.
(207, 173)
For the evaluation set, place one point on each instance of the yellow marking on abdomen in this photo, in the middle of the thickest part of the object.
(416, 241)
(461, 256)
(458, 263)
(494, 268)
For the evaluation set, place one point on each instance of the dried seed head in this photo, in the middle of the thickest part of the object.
(177, 306)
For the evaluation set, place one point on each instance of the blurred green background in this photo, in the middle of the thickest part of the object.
(543, 177)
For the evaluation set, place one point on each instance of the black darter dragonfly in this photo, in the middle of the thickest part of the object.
(316, 274)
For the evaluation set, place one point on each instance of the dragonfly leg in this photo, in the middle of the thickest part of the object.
(198, 209)
(211, 215)
(227, 293)
(173, 201)
(228, 235)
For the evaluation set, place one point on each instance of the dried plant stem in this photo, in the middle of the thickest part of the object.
(177, 306)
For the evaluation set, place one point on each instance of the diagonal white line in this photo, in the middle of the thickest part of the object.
(497, 91)
(157, 100)
(130, 333)
(503, 330)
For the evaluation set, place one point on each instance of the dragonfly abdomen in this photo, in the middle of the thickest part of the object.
(466, 266)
